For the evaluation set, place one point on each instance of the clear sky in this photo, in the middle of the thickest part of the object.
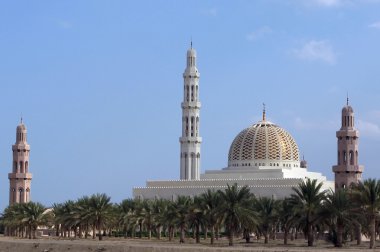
(99, 84)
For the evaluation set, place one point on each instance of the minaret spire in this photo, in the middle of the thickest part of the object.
(347, 98)
(190, 139)
(264, 116)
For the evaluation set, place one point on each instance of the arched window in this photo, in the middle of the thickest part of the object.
(187, 126)
(13, 195)
(26, 167)
(15, 167)
(192, 126)
(192, 92)
(187, 93)
(357, 156)
(338, 158)
(351, 157)
(27, 195)
(20, 191)
(344, 157)
(197, 127)
(21, 167)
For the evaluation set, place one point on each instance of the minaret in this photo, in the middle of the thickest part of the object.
(348, 170)
(190, 139)
(20, 178)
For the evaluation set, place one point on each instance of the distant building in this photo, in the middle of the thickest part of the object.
(20, 178)
(347, 171)
(263, 156)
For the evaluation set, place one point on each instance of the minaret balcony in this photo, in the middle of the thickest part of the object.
(191, 104)
(348, 168)
(20, 176)
(190, 139)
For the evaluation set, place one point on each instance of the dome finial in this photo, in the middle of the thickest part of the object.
(347, 99)
(21, 119)
(191, 42)
(264, 117)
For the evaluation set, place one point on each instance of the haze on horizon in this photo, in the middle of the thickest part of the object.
(99, 85)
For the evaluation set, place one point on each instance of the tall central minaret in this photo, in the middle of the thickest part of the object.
(20, 178)
(348, 170)
(190, 139)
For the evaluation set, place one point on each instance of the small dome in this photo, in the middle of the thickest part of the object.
(347, 109)
(263, 141)
(20, 127)
(191, 53)
(303, 163)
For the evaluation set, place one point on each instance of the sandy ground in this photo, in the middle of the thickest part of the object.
(8, 244)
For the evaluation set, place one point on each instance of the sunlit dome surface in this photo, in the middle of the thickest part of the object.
(263, 141)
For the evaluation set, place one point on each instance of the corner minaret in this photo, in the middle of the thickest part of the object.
(348, 170)
(20, 178)
(190, 139)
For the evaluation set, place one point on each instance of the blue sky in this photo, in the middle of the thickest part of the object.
(99, 84)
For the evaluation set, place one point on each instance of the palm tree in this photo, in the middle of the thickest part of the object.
(211, 200)
(338, 208)
(169, 218)
(195, 217)
(126, 210)
(147, 216)
(267, 209)
(307, 201)
(236, 209)
(159, 207)
(33, 216)
(82, 212)
(12, 220)
(286, 217)
(181, 206)
(367, 194)
(100, 208)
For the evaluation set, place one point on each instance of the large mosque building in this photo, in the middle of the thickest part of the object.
(264, 156)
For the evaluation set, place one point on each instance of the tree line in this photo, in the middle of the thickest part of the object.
(343, 215)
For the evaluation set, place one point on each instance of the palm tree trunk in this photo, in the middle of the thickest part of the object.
(266, 238)
(212, 235)
(93, 232)
(100, 231)
(358, 234)
(286, 232)
(34, 233)
(182, 234)
(197, 236)
(230, 238)
(170, 233)
(205, 230)
(310, 235)
(372, 231)
(339, 236)
(159, 233)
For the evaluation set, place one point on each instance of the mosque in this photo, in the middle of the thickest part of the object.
(264, 156)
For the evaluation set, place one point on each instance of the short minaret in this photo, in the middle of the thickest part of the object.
(190, 139)
(20, 178)
(348, 170)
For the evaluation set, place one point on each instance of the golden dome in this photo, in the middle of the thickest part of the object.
(263, 141)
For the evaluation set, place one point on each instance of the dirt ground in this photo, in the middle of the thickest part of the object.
(9, 244)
